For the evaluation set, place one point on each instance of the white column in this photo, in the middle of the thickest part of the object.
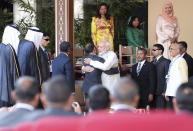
(78, 9)
(18, 14)
(63, 22)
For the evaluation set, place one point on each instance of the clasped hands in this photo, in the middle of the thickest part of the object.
(88, 68)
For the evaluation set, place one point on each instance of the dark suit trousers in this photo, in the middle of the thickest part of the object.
(160, 102)
(143, 103)
(171, 102)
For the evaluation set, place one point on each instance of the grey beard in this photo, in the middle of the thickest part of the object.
(101, 53)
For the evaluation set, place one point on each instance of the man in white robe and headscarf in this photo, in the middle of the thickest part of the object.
(9, 68)
(111, 73)
(28, 54)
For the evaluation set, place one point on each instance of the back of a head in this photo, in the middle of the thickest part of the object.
(57, 90)
(99, 98)
(183, 44)
(184, 97)
(89, 48)
(65, 46)
(26, 89)
(125, 90)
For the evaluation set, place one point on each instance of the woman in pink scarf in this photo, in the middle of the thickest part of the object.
(167, 28)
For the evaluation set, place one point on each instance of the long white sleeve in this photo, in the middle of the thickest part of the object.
(109, 62)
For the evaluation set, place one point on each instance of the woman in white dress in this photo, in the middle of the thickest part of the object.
(167, 28)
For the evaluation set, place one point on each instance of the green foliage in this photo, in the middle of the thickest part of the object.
(6, 18)
(46, 21)
(27, 21)
(119, 9)
(44, 17)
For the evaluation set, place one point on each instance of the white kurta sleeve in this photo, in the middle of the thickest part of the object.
(162, 37)
(108, 63)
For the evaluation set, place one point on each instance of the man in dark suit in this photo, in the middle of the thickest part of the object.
(187, 57)
(63, 65)
(94, 77)
(144, 74)
(44, 57)
(162, 66)
(26, 94)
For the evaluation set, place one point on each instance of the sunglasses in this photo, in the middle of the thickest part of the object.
(155, 49)
(47, 39)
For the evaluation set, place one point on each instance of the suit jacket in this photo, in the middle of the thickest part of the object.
(44, 65)
(50, 111)
(63, 65)
(189, 61)
(94, 77)
(146, 79)
(11, 119)
(162, 66)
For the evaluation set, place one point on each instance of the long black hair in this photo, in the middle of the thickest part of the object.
(107, 15)
(130, 21)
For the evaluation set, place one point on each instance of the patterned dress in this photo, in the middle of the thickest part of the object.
(102, 30)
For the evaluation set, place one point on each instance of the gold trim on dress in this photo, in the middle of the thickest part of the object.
(13, 52)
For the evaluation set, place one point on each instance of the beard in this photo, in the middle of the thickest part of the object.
(101, 53)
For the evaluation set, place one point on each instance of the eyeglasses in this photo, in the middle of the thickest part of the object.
(155, 49)
(172, 49)
(47, 39)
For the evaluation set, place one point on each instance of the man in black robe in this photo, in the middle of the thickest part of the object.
(28, 56)
(9, 68)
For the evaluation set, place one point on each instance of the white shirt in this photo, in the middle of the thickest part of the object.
(183, 54)
(117, 107)
(159, 57)
(42, 48)
(24, 106)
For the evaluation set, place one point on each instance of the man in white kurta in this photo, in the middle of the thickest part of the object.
(110, 67)
(177, 73)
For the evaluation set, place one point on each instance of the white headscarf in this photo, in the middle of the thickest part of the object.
(11, 36)
(34, 35)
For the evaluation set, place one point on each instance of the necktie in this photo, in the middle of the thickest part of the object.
(155, 61)
(47, 55)
(138, 68)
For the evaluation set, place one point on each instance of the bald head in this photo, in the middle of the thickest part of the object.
(125, 90)
(26, 89)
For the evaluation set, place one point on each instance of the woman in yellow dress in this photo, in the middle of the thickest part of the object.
(102, 26)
